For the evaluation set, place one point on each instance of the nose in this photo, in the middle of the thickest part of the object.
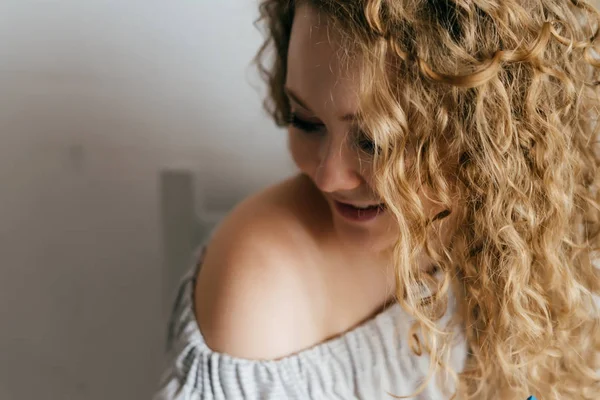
(337, 171)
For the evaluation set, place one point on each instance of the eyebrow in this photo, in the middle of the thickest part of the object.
(296, 99)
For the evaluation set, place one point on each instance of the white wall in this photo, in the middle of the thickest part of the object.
(96, 98)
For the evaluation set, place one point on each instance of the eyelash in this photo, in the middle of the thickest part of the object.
(364, 143)
(304, 125)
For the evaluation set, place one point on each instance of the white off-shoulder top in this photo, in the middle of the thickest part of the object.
(366, 362)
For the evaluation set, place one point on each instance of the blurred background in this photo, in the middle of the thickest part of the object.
(127, 128)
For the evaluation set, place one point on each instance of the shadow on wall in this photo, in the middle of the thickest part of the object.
(185, 225)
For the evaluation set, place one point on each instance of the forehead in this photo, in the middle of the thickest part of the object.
(316, 70)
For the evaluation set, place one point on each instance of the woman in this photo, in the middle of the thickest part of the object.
(438, 240)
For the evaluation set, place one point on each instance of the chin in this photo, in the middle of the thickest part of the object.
(374, 236)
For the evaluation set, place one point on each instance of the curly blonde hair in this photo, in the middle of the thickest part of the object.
(509, 90)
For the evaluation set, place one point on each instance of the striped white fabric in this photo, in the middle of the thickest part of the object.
(366, 362)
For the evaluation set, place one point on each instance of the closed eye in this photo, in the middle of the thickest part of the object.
(304, 125)
(366, 145)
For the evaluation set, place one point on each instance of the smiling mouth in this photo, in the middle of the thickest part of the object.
(359, 213)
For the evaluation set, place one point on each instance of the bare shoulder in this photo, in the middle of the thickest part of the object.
(252, 296)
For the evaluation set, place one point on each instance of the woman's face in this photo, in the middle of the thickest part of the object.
(323, 137)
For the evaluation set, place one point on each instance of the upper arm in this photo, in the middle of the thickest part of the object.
(249, 297)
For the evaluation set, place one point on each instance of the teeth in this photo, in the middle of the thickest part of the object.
(369, 206)
(365, 207)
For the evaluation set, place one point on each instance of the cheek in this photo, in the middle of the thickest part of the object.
(304, 152)
(366, 172)
(363, 165)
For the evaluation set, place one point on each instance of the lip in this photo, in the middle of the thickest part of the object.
(358, 205)
(350, 212)
(355, 204)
